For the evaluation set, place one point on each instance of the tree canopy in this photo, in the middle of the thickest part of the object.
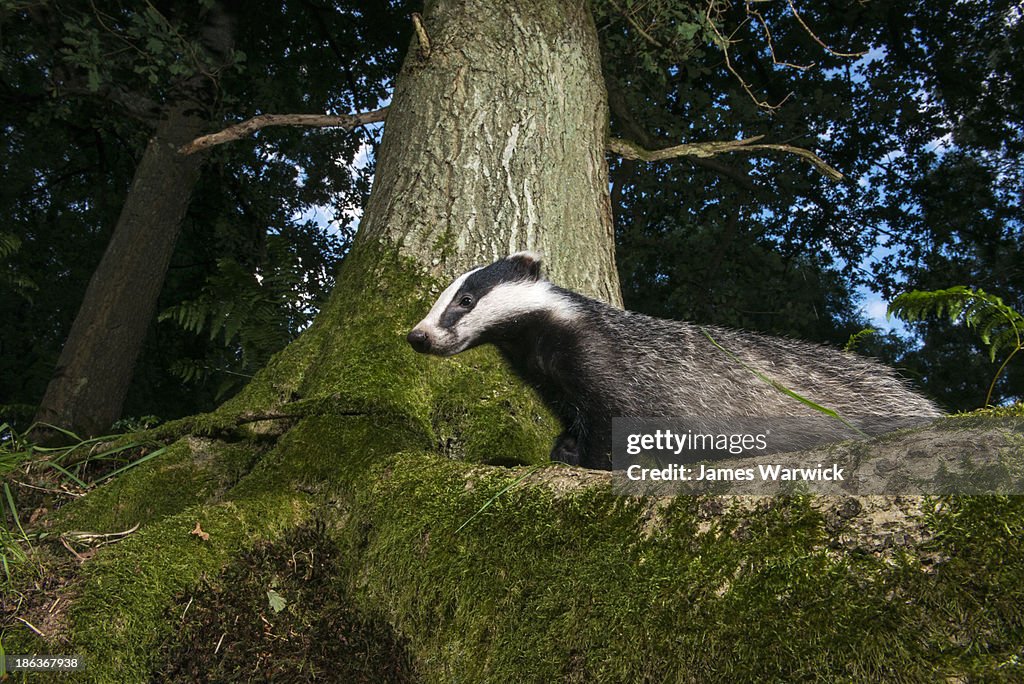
(83, 86)
(912, 101)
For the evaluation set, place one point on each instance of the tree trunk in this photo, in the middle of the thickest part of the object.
(95, 368)
(495, 143)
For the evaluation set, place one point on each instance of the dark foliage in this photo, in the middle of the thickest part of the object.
(926, 123)
(78, 85)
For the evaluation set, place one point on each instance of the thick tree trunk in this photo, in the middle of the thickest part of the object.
(95, 368)
(495, 143)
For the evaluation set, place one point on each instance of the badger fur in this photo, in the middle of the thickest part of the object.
(590, 362)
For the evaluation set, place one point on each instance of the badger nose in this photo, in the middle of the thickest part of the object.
(419, 341)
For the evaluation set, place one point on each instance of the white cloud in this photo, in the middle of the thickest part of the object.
(874, 308)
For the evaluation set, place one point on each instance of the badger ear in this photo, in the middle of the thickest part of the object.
(525, 264)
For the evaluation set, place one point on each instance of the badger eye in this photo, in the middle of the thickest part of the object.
(466, 301)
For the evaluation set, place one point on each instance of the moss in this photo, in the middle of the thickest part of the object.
(483, 415)
(356, 357)
(978, 589)
(578, 587)
(555, 579)
(190, 472)
(549, 583)
(118, 616)
(991, 416)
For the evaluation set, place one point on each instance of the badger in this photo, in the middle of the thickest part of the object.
(590, 362)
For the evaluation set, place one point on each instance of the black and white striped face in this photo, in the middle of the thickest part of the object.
(484, 300)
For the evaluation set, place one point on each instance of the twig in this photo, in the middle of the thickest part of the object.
(32, 627)
(190, 600)
(724, 43)
(630, 150)
(78, 557)
(771, 43)
(260, 417)
(48, 491)
(632, 22)
(817, 40)
(102, 538)
(250, 126)
(421, 35)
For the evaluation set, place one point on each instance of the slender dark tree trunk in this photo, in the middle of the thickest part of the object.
(95, 368)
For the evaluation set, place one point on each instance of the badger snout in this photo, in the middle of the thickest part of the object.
(419, 340)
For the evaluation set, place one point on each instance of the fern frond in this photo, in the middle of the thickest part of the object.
(976, 308)
(1004, 340)
(857, 337)
(9, 244)
(190, 370)
(999, 326)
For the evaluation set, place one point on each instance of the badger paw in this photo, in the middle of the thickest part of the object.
(566, 450)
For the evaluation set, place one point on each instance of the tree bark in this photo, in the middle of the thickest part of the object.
(495, 143)
(95, 367)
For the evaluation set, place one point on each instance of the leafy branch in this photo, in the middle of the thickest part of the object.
(255, 314)
(999, 325)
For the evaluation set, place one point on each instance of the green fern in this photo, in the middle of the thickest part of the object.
(252, 318)
(9, 244)
(855, 338)
(1000, 326)
(19, 284)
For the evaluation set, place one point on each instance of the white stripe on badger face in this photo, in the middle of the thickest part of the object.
(440, 338)
(433, 318)
(506, 302)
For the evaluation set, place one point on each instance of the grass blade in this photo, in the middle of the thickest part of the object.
(129, 466)
(66, 473)
(494, 498)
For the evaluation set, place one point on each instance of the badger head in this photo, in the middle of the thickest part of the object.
(482, 305)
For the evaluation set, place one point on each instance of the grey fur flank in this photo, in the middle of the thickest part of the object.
(672, 368)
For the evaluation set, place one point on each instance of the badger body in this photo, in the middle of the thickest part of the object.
(591, 362)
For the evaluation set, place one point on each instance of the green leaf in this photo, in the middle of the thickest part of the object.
(855, 338)
(276, 601)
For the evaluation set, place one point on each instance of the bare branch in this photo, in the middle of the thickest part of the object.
(632, 22)
(751, 12)
(618, 106)
(807, 28)
(724, 44)
(630, 150)
(250, 126)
